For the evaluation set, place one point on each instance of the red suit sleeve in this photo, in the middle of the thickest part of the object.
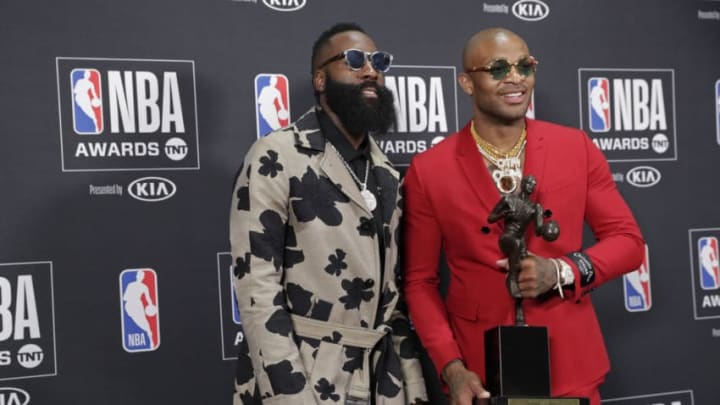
(423, 242)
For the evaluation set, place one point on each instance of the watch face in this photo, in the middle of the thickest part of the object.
(567, 275)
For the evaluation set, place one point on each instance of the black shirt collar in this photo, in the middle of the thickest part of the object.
(333, 134)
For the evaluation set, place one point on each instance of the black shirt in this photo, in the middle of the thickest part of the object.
(357, 159)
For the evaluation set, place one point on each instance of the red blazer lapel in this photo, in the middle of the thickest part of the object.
(475, 171)
(535, 155)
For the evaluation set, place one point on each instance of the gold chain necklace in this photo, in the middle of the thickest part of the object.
(508, 167)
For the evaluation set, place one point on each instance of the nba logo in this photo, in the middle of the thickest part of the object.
(272, 103)
(86, 101)
(636, 286)
(599, 104)
(233, 298)
(709, 266)
(530, 113)
(139, 310)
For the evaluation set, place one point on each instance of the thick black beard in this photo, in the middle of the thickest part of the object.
(357, 114)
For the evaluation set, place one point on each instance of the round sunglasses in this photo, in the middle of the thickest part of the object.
(356, 59)
(500, 68)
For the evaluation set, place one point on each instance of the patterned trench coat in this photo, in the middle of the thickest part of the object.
(308, 282)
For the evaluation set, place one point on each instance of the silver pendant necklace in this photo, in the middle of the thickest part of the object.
(369, 197)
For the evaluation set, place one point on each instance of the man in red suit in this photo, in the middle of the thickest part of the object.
(450, 191)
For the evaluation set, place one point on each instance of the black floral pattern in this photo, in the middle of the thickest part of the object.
(326, 390)
(244, 371)
(269, 165)
(386, 299)
(283, 379)
(355, 359)
(316, 140)
(271, 245)
(337, 263)
(242, 266)
(243, 196)
(315, 197)
(357, 290)
(279, 323)
(335, 338)
(366, 227)
(299, 299)
(248, 398)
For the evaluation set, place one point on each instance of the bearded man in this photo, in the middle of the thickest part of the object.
(313, 228)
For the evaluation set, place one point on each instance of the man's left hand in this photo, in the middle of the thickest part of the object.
(537, 275)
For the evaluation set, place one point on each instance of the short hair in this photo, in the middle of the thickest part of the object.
(324, 38)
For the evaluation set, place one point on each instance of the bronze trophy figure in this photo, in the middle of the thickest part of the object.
(517, 364)
(518, 212)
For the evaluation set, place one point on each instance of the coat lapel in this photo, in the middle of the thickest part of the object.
(475, 171)
(535, 155)
(332, 166)
(387, 179)
(310, 140)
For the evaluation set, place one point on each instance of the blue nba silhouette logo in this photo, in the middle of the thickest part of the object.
(139, 310)
(636, 286)
(709, 265)
(233, 299)
(86, 101)
(272, 103)
(599, 104)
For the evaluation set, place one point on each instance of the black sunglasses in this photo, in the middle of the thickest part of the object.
(356, 59)
(500, 68)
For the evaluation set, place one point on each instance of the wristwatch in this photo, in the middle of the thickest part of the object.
(567, 277)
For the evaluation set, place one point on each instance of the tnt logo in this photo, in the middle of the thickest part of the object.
(272, 103)
(599, 103)
(87, 101)
(139, 310)
(709, 265)
(636, 286)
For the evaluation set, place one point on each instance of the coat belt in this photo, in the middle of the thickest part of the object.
(367, 339)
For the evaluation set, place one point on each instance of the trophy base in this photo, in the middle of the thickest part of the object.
(502, 400)
(517, 362)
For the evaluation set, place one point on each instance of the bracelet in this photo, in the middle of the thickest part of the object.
(584, 266)
(558, 284)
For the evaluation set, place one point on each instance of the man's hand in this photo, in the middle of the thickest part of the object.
(464, 384)
(537, 275)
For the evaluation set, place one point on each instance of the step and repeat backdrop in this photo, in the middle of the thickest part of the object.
(123, 123)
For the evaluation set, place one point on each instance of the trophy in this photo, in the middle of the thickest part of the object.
(517, 365)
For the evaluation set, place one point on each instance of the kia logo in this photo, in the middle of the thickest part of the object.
(643, 176)
(285, 5)
(14, 396)
(530, 10)
(152, 189)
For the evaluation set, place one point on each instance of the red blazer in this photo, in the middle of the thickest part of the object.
(448, 196)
